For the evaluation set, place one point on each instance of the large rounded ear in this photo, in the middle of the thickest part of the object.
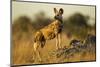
(55, 11)
(61, 11)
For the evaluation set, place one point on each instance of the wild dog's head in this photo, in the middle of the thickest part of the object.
(58, 14)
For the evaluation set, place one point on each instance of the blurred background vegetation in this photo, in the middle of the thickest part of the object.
(76, 24)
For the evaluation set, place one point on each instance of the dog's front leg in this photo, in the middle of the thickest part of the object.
(59, 39)
(57, 42)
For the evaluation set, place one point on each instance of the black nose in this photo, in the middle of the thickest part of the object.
(58, 15)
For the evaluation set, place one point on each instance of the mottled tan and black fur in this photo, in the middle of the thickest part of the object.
(53, 30)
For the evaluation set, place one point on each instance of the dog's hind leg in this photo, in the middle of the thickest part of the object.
(36, 50)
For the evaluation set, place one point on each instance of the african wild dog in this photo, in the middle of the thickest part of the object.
(53, 30)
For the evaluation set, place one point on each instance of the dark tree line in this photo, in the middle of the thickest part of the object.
(76, 24)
